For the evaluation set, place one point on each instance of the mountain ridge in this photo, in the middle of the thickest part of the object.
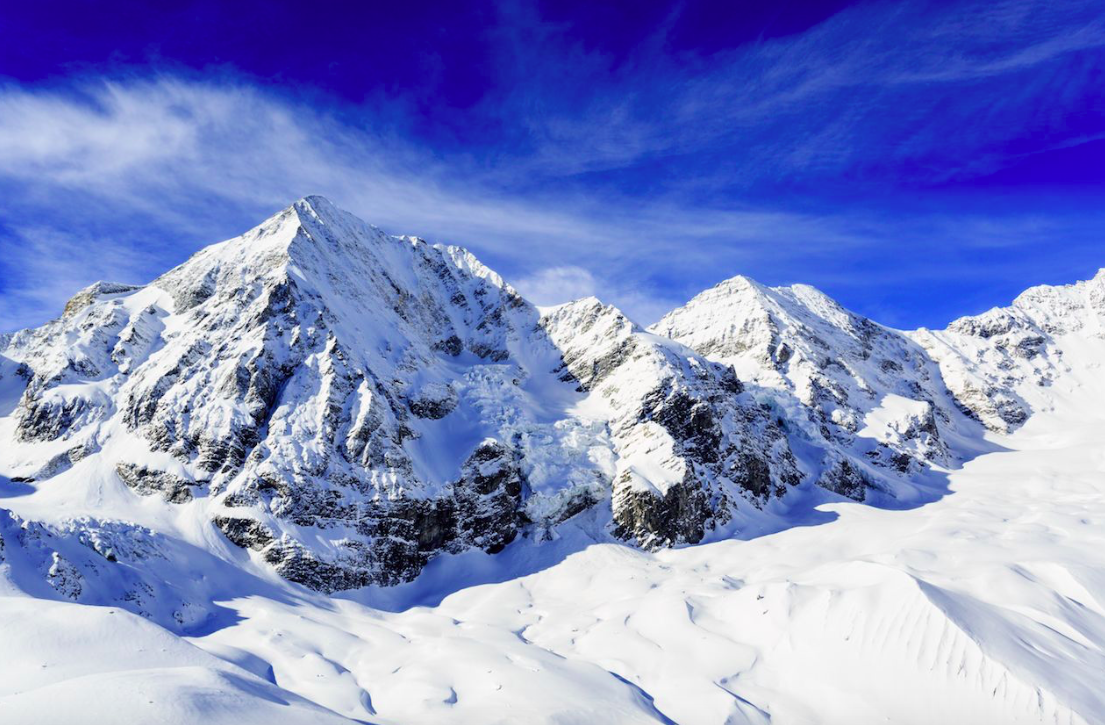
(347, 405)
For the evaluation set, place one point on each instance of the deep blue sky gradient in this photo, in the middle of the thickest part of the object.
(917, 161)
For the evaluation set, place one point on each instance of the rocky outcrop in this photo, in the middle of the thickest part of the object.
(488, 498)
(146, 482)
(434, 401)
(679, 515)
(90, 294)
(483, 509)
(844, 477)
(244, 532)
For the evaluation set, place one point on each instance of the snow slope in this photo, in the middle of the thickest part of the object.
(66, 663)
(321, 474)
(987, 606)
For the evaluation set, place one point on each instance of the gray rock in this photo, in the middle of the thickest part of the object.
(147, 482)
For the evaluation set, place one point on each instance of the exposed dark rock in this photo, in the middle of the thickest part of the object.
(64, 577)
(483, 509)
(488, 352)
(47, 419)
(845, 478)
(577, 503)
(1030, 347)
(489, 497)
(753, 474)
(681, 515)
(147, 481)
(451, 345)
(690, 421)
(243, 532)
(434, 402)
(296, 564)
(984, 326)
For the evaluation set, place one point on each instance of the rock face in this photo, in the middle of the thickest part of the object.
(342, 406)
(146, 481)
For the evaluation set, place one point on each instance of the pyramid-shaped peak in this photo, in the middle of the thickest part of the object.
(316, 200)
(735, 290)
(318, 208)
(746, 295)
(737, 283)
(308, 225)
(740, 283)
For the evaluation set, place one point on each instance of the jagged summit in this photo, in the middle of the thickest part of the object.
(758, 329)
(1004, 364)
(734, 283)
(317, 204)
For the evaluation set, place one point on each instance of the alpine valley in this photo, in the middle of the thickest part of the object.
(319, 474)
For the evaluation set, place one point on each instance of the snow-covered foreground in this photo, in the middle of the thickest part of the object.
(986, 606)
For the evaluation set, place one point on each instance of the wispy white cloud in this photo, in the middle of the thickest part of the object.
(555, 285)
(44, 266)
(125, 178)
(846, 93)
(181, 157)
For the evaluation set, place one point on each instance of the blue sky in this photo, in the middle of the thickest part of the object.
(917, 161)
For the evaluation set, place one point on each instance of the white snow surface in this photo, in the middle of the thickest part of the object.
(980, 600)
(987, 606)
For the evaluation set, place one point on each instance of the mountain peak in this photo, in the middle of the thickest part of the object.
(317, 209)
(94, 291)
(737, 283)
(315, 200)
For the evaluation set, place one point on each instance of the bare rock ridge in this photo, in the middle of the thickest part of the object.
(348, 405)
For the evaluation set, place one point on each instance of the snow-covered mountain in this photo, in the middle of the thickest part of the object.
(868, 398)
(349, 404)
(690, 446)
(316, 418)
(1001, 363)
